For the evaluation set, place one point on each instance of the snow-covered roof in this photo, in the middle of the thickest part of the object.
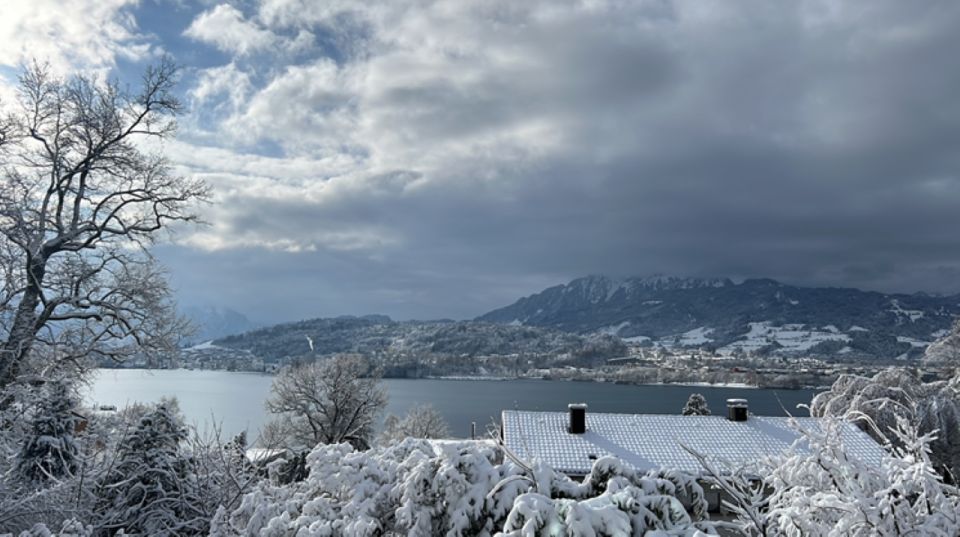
(648, 441)
(264, 454)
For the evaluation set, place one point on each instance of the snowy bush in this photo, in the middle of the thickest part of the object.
(69, 528)
(945, 352)
(897, 393)
(51, 451)
(819, 490)
(417, 488)
(151, 487)
(696, 406)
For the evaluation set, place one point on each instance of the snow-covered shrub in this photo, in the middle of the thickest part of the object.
(407, 489)
(44, 463)
(613, 499)
(898, 393)
(417, 488)
(151, 487)
(51, 451)
(945, 352)
(819, 490)
(696, 406)
(70, 528)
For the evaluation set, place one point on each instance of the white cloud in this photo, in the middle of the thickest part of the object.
(225, 27)
(70, 34)
(309, 109)
(224, 81)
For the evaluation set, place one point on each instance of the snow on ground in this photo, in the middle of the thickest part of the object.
(792, 337)
(898, 310)
(690, 338)
(856, 328)
(913, 342)
(613, 330)
(636, 339)
(707, 384)
(516, 322)
(832, 329)
(204, 345)
(940, 333)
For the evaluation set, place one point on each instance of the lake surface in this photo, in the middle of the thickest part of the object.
(235, 400)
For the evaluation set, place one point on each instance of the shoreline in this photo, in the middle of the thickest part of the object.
(492, 378)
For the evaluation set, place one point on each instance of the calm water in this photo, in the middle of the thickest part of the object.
(235, 400)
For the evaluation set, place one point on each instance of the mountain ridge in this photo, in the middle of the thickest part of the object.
(718, 313)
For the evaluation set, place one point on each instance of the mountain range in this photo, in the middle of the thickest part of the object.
(596, 316)
(760, 316)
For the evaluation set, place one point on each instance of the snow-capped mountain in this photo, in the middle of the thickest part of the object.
(756, 315)
(215, 322)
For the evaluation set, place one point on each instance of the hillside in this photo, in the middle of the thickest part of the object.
(759, 316)
(378, 335)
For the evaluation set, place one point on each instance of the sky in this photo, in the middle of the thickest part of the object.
(438, 159)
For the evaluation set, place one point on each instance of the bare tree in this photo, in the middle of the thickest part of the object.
(328, 402)
(421, 421)
(81, 200)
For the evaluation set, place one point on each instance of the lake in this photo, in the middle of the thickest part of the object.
(235, 400)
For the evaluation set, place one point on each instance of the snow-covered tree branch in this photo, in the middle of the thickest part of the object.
(81, 200)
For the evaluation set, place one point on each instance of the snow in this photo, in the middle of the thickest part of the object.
(636, 339)
(613, 330)
(739, 385)
(856, 328)
(204, 345)
(831, 328)
(900, 312)
(913, 342)
(516, 322)
(791, 337)
(690, 338)
(649, 441)
(940, 333)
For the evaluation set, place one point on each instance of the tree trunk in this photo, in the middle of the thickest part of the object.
(24, 328)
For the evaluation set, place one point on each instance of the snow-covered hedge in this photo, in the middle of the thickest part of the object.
(880, 402)
(418, 488)
(818, 490)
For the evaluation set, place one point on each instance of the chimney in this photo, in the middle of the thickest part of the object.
(578, 418)
(737, 409)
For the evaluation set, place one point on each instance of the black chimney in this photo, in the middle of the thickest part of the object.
(578, 418)
(737, 409)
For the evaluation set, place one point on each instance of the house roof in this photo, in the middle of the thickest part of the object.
(649, 441)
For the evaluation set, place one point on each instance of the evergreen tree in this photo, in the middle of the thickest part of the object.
(152, 488)
(51, 451)
(696, 406)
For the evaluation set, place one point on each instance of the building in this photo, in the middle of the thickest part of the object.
(570, 441)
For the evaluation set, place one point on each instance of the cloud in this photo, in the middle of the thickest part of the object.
(460, 154)
(226, 28)
(71, 34)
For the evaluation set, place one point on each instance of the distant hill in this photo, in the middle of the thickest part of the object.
(379, 335)
(214, 322)
(759, 316)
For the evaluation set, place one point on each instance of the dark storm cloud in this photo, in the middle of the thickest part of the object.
(504, 150)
